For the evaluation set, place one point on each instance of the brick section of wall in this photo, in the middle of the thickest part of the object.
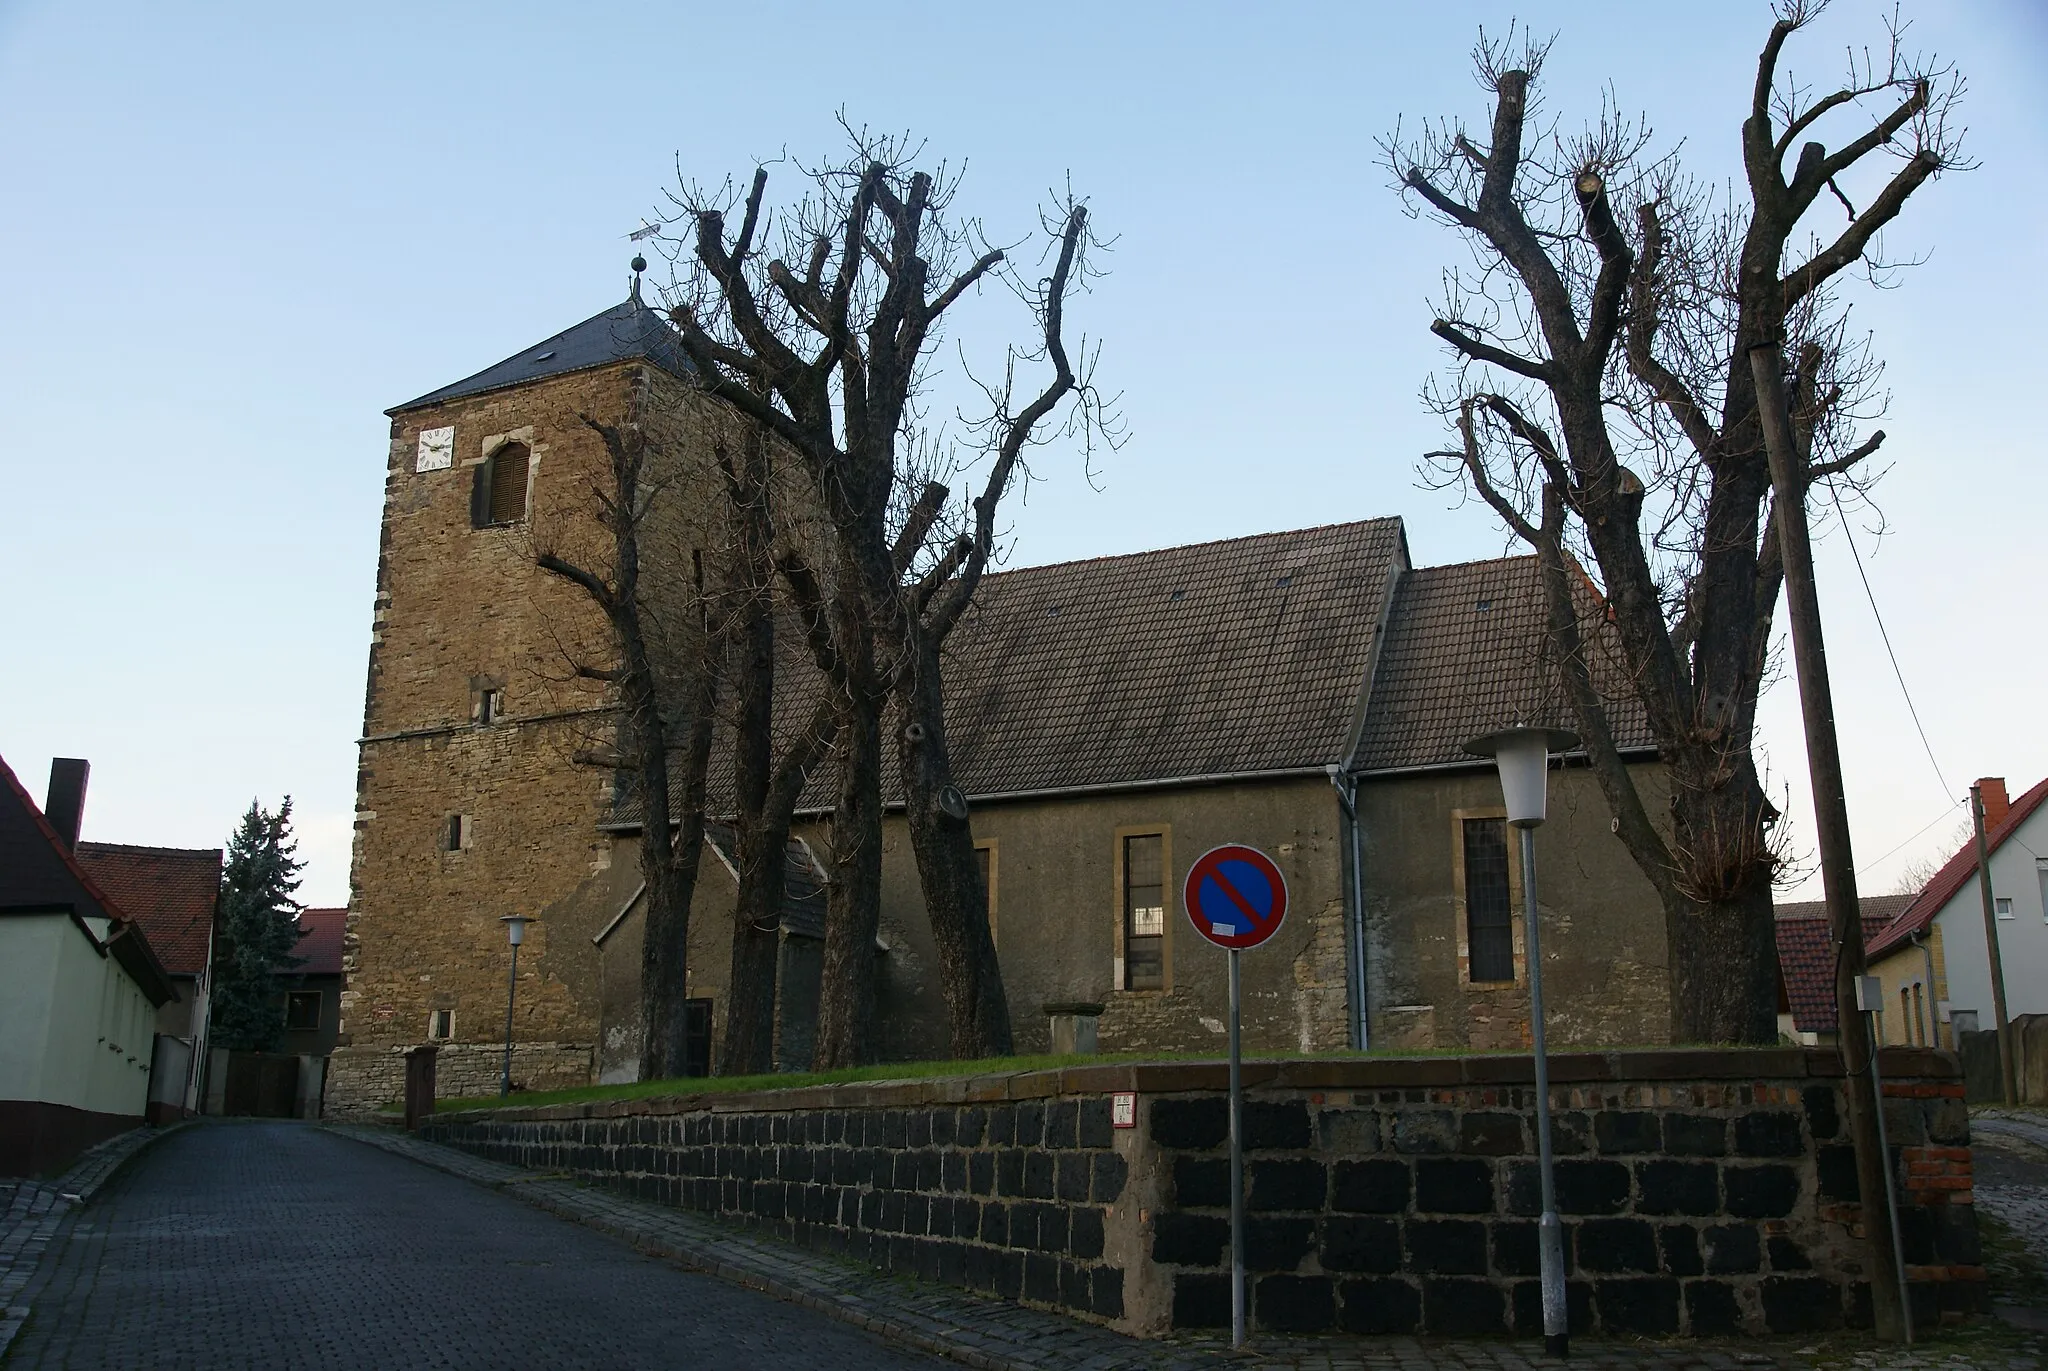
(1704, 1193)
(1010, 1198)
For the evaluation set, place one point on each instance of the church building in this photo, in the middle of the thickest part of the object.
(1304, 692)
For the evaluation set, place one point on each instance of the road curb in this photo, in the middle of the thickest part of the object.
(49, 1203)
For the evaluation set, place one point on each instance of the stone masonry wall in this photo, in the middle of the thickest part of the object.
(1013, 1197)
(363, 1080)
(1704, 1193)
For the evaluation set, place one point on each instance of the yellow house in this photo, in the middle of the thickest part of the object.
(79, 989)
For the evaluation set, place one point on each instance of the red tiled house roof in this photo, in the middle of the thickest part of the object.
(1959, 871)
(170, 891)
(1806, 956)
(319, 942)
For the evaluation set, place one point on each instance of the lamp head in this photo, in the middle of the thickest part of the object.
(515, 927)
(1522, 755)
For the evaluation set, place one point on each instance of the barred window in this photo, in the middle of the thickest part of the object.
(1489, 911)
(1144, 912)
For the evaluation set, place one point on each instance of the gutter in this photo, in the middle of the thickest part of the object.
(1480, 763)
(1354, 913)
(1055, 792)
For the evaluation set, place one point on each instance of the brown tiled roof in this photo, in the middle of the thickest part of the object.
(1232, 657)
(1227, 658)
(1464, 656)
(1806, 956)
(170, 891)
(319, 945)
(1954, 874)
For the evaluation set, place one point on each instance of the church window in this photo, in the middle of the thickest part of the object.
(1142, 862)
(458, 833)
(1489, 906)
(441, 1025)
(985, 863)
(490, 706)
(499, 497)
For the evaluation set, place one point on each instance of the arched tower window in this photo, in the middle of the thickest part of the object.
(500, 496)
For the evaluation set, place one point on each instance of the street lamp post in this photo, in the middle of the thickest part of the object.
(1522, 755)
(515, 929)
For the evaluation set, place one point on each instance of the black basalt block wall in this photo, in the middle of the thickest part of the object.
(1710, 1208)
(1383, 1196)
(1006, 1198)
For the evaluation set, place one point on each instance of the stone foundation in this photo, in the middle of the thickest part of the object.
(364, 1080)
(1705, 1193)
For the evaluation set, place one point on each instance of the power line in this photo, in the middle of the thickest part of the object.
(1848, 532)
(1875, 861)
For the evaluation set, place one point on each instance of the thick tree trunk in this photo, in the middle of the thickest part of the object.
(669, 868)
(1723, 968)
(977, 1009)
(853, 904)
(749, 1047)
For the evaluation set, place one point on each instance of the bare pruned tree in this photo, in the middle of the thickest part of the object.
(825, 339)
(1605, 410)
(664, 680)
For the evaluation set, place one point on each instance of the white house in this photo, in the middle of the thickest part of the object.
(79, 989)
(1933, 955)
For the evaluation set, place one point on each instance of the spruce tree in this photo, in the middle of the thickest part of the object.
(258, 930)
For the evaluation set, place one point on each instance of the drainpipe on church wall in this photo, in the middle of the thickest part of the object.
(1354, 922)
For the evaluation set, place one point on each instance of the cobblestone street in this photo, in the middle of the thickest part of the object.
(281, 1245)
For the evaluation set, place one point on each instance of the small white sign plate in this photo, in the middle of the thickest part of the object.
(1123, 1109)
(437, 450)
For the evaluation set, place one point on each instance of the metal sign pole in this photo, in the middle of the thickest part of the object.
(1236, 1169)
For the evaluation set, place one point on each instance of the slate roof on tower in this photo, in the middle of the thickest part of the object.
(622, 333)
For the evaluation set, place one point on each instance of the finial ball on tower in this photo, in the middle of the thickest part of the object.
(639, 263)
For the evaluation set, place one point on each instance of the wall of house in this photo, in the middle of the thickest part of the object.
(460, 610)
(1709, 1193)
(1606, 979)
(1057, 916)
(77, 1037)
(1911, 997)
(2022, 939)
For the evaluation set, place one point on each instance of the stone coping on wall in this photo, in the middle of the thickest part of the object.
(1646, 1066)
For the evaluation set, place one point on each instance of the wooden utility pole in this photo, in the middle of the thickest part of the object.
(2005, 1071)
(1831, 827)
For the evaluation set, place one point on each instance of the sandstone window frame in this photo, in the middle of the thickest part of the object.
(486, 488)
(440, 1025)
(1120, 966)
(1459, 909)
(458, 833)
(988, 855)
(489, 707)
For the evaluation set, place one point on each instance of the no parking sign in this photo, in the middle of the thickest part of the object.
(1235, 896)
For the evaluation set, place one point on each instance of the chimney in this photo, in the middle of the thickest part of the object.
(64, 807)
(1992, 789)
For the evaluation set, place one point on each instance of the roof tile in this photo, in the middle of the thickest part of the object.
(170, 891)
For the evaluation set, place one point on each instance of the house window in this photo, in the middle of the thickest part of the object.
(985, 862)
(1920, 1026)
(490, 706)
(2004, 903)
(499, 496)
(1489, 905)
(458, 834)
(1908, 1025)
(1144, 912)
(302, 1010)
(441, 1025)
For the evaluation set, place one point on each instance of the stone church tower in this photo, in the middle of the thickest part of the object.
(476, 793)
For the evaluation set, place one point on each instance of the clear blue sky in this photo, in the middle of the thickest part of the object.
(236, 234)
